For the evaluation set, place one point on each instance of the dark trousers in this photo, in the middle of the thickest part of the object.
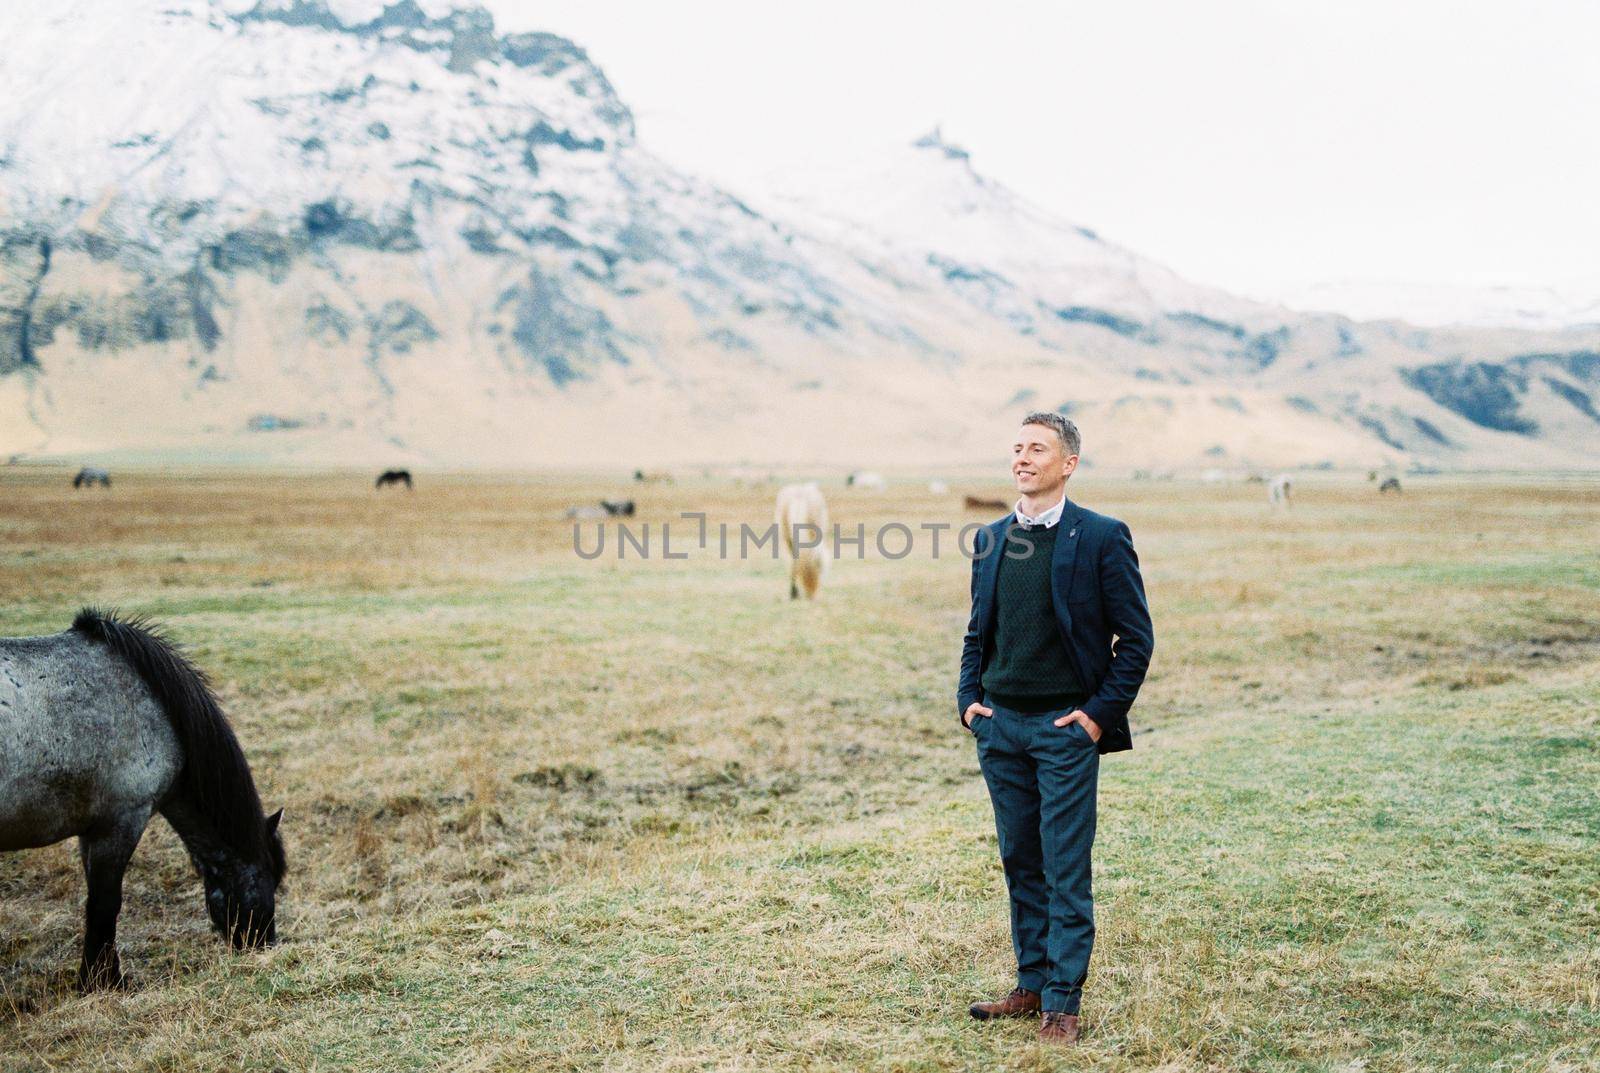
(1043, 779)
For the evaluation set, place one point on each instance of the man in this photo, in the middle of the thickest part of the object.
(1055, 652)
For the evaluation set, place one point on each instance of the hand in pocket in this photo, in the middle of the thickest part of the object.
(1090, 727)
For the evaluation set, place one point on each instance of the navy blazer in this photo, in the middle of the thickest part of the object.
(1100, 609)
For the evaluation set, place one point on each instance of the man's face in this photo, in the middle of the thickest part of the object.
(1039, 464)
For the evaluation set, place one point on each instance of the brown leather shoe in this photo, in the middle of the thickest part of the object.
(1058, 1027)
(1020, 1003)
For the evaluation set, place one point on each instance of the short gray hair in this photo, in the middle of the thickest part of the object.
(1071, 441)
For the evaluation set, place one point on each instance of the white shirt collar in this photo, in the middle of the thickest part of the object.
(1047, 518)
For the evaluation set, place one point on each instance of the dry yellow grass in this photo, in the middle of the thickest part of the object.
(640, 815)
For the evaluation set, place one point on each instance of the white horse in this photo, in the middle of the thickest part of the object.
(1278, 490)
(802, 516)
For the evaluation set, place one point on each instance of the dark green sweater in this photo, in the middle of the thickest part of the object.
(1028, 668)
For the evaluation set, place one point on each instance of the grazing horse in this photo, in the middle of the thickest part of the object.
(1390, 484)
(88, 475)
(802, 516)
(975, 503)
(862, 478)
(1279, 490)
(99, 727)
(394, 476)
(618, 508)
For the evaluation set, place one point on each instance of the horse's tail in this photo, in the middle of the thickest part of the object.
(215, 776)
(811, 570)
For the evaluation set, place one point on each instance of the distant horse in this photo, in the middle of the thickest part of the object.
(88, 475)
(394, 476)
(802, 516)
(1279, 490)
(975, 503)
(618, 508)
(865, 479)
(99, 727)
(1390, 484)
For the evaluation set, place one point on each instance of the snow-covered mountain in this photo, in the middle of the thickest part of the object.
(1443, 305)
(354, 230)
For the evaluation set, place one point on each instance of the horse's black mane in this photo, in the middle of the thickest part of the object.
(215, 776)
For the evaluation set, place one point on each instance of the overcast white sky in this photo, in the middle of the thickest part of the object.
(1258, 145)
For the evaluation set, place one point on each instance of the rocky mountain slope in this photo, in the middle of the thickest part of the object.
(356, 231)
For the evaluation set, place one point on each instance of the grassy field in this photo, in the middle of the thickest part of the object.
(547, 813)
